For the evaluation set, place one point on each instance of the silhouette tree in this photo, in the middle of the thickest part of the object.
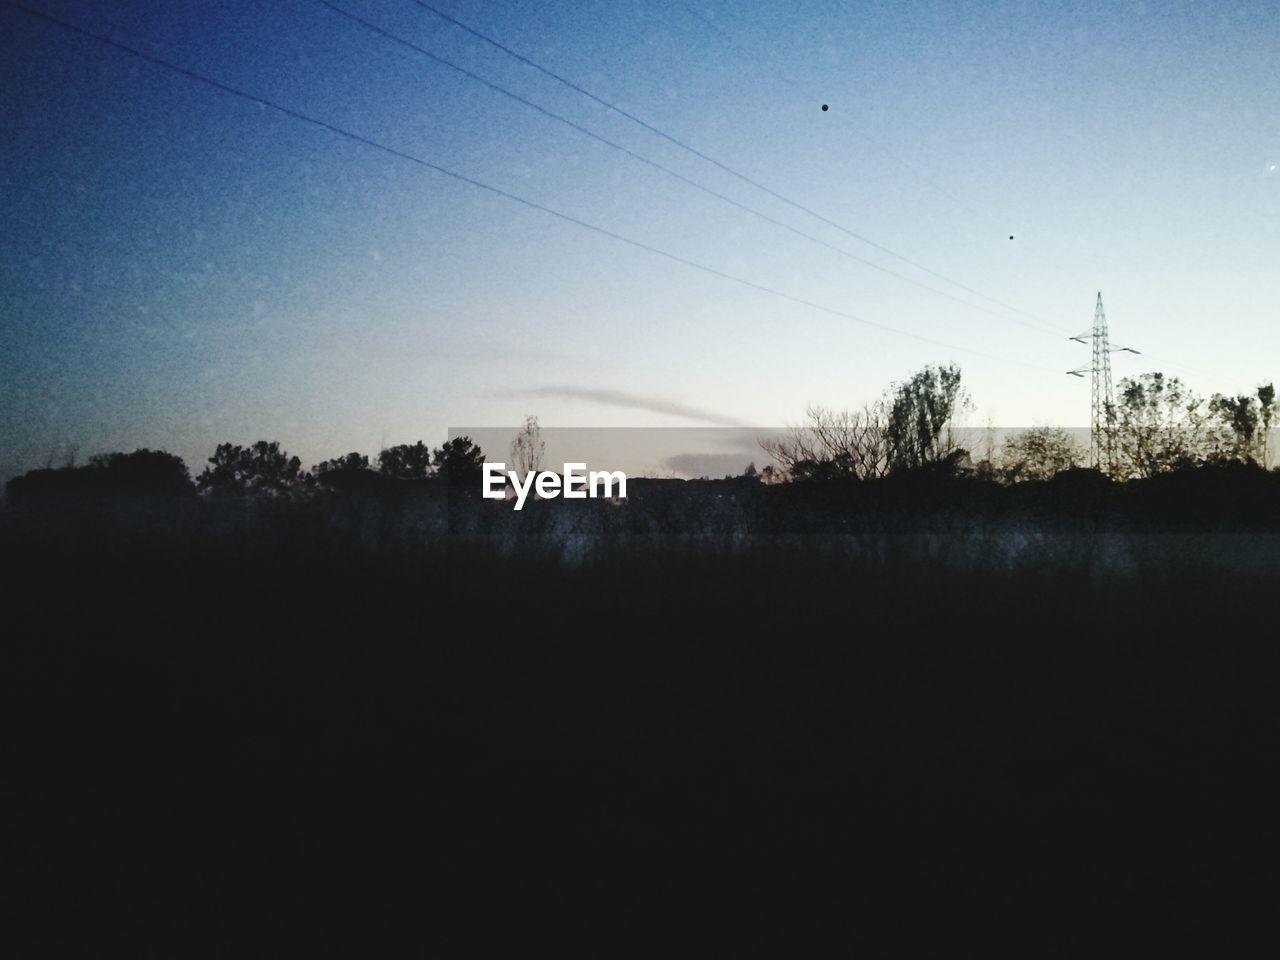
(260, 469)
(348, 464)
(1246, 424)
(1040, 453)
(771, 475)
(343, 471)
(907, 429)
(918, 430)
(528, 448)
(406, 461)
(1158, 425)
(143, 471)
(834, 444)
(149, 472)
(1267, 403)
(459, 461)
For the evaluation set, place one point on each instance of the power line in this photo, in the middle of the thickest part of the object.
(714, 162)
(497, 191)
(435, 58)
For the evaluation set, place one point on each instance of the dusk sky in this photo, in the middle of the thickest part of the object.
(181, 267)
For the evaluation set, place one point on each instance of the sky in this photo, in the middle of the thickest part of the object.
(181, 267)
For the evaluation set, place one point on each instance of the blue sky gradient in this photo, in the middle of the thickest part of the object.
(179, 267)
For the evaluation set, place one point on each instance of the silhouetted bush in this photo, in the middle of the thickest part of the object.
(406, 461)
(151, 473)
(459, 462)
(350, 472)
(260, 469)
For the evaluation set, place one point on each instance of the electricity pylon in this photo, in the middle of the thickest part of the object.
(1101, 448)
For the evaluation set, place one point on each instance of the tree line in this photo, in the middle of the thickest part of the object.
(261, 469)
(1156, 424)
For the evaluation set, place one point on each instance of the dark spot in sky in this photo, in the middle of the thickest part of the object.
(824, 107)
(1011, 236)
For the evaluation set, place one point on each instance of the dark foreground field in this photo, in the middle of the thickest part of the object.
(304, 747)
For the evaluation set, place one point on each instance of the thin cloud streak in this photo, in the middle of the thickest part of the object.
(631, 401)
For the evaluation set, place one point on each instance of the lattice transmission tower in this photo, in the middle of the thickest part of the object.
(1101, 446)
